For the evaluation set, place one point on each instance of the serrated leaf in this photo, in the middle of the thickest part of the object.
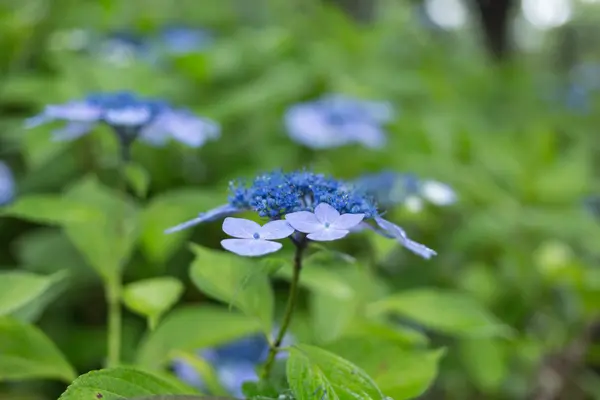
(20, 288)
(450, 312)
(234, 280)
(152, 297)
(107, 244)
(138, 178)
(190, 329)
(170, 209)
(27, 353)
(50, 209)
(314, 373)
(119, 383)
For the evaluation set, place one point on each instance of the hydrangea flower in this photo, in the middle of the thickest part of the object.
(131, 117)
(253, 239)
(7, 184)
(234, 363)
(183, 40)
(334, 121)
(313, 204)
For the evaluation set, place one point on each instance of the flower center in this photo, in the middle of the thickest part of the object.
(256, 236)
(327, 224)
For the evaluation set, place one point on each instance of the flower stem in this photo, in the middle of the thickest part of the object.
(113, 299)
(289, 309)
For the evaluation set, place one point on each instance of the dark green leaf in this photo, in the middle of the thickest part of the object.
(49, 209)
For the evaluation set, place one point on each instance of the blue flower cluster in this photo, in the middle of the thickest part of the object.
(234, 363)
(7, 184)
(131, 117)
(335, 120)
(322, 207)
(584, 84)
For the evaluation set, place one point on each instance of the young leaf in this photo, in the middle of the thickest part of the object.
(20, 288)
(58, 283)
(53, 210)
(152, 297)
(314, 373)
(449, 312)
(138, 178)
(233, 280)
(169, 209)
(319, 279)
(27, 353)
(489, 352)
(119, 383)
(106, 245)
(190, 329)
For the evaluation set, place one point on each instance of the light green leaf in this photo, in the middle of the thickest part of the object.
(19, 288)
(475, 353)
(331, 315)
(234, 280)
(184, 397)
(152, 297)
(138, 178)
(447, 311)
(119, 383)
(319, 279)
(314, 373)
(50, 209)
(170, 209)
(401, 335)
(57, 283)
(27, 353)
(399, 372)
(107, 244)
(190, 329)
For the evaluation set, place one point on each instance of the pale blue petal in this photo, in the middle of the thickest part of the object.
(193, 131)
(398, 233)
(72, 130)
(419, 249)
(187, 373)
(304, 221)
(276, 230)
(307, 125)
(347, 221)
(233, 375)
(250, 247)
(130, 116)
(7, 184)
(77, 111)
(214, 214)
(241, 228)
(392, 229)
(327, 235)
(367, 134)
(326, 214)
(38, 120)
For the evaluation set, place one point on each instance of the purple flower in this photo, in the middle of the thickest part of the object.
(254, 240)
(7, 184)
(131, 117)
(335, 121)
(325, 224)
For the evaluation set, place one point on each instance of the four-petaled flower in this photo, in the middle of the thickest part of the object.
(335, 121)
(325, 224)
(252, 239)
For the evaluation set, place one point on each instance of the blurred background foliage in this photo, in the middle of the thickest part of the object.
(512, 127)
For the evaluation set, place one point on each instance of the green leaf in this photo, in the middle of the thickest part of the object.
(488, 352)
(27, 353)
(234, 280)
(30, 312)
(331, 315)
(119, 383)
(396, 333)
(183, 397)
(314, 373)
(190, 329)
(449, 312)
(399, 372)
(152, 297)
(168, 210)
(138, 178)
(319, 279)
(54, 210)
(106, 245)
(19, 289)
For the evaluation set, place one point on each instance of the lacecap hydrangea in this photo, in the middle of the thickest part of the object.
(299, 205)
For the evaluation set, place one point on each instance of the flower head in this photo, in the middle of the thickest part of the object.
(130, 116)
(183, 40)
(321, 207)
(335, 121)
(7, 184)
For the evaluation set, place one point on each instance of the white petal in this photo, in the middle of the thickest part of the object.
(133, 116)
(347, 221)
(304, 221)
(72, 130)
(276, 230)
(438, 193)
(327, 235)
(419, 249)
(325, 213)
(240, 227)
(250, 247)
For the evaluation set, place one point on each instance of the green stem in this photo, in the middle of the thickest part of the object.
(113, 299)
(289, 309)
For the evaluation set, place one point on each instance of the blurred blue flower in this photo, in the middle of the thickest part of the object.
(7, 184)
(234, 363)
(336, 204)
(131, 117)
(335, 121)
(122, 48)
(183, 40)
(584, 83)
